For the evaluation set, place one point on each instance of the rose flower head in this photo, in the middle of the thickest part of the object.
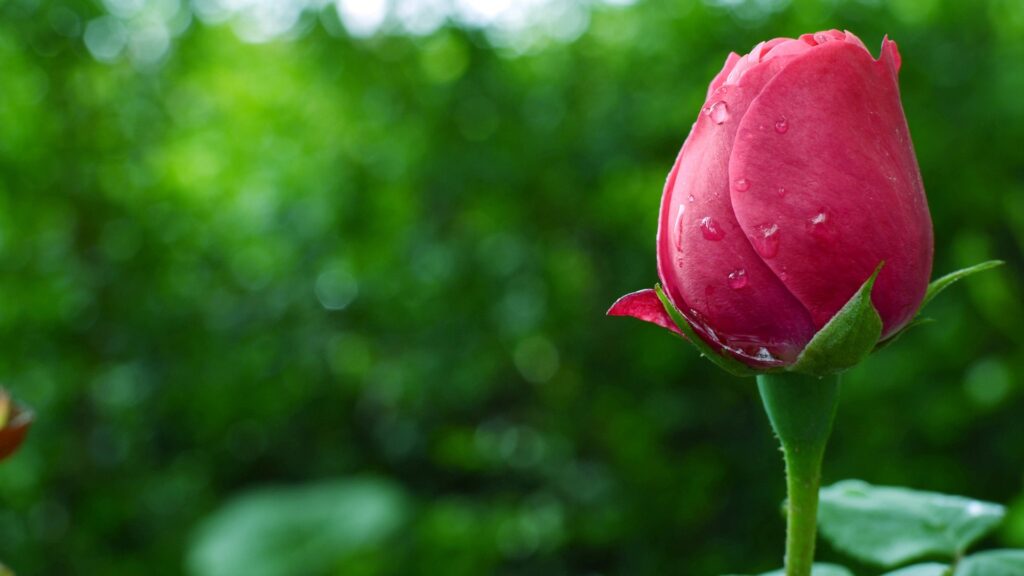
(797, 182)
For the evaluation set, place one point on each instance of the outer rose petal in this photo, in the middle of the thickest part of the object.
(644, 305)
(840, 180)
(700, 243)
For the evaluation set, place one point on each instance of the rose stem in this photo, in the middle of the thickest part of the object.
(801, 410)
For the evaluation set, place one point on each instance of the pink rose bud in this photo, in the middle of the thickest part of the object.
(796, 181)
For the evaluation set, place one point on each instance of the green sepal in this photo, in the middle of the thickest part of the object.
(919, 321)
(934, 289)
(848, 337)
(730, 365)
(940, 284)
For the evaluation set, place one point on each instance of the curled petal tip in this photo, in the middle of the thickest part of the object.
(730, 62)
(854, 39)
(643, 305)
(891, 54)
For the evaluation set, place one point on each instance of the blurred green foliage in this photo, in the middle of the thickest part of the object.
(384, 257)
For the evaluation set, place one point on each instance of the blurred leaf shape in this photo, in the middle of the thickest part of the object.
(307, 529)
(889, 525)
(992, 563)
(818, 570)
(930, 569)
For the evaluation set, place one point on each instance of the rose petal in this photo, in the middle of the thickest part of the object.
(891, 55)
(730, 62)
(787, 48)
(853, 39)
(852, 191)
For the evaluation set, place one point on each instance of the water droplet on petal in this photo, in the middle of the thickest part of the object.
(781, 191)
(764, 355)
(691, 198)
(719, 112)
(737, 279)
(781, 125)
(821, 227)
(679, 226)
(742, 185)
(710, 229)
(766, 240)
(822, 38)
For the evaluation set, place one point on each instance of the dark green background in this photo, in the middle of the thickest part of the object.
(387, 259)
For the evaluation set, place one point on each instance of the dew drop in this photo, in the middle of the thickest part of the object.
(766, 240)
(710, 229)
(742, 185)
(691, 198)
(822, 38)
(679, 227)
(781, 191)
(781, 125)
(820, 226)
(719, 112)
(764, 355)
(737, 279)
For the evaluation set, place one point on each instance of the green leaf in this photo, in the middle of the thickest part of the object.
(847, 338)
(919, 321)
(936, 287)
(296, 530)
(818, 570)
(727, 363)
(930, 569)
(889, 526)
(992, 563)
